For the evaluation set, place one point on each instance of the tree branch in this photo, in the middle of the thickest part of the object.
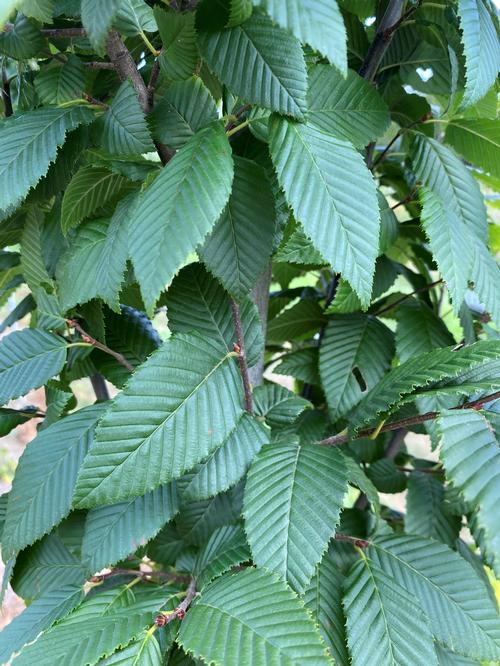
(6, 98)
(239, 348)
(260, 296)
(99, 386)
(180, 612)
(55, 33)
(383, 37)
(99, 345)
(406, 296)
(404, 423)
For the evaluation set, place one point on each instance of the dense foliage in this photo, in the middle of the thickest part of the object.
(193, 193)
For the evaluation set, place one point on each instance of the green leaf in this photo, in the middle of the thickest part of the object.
(41, 10)
(386, 477)
(355, 353)
(32, 260)
(448, 178)
(356, 476)
(61, 83)
(97, 19)
(98, 255)
(342, 218)
(485, 277)
(238, 249)
(125, 131)
(226, 548)
(131, 334)
(318, 23)
(29, 144)
(186, 107)
(39, 616)
(89, 189)
(323, 598)
(448, 658)
(227, 464)
(28, 359)
(448, 240)
(426, 513)
(59, 399)
(301, 319)
(470, 453)
(461, 613)
(419, 330)
(113, 532)
(134, 17)
(167, 546)
(45, 478)
(478, 140)
(43, 567)
(302, 364)
(102, 623)
(11, 418)
(293, 498)
(384, 624)
(245, 58)
(23, 41)
(145, 651)
(481, 48)
(420, 371)
(278, 405)
(179, 56)
(349, 108)
(197, 302)
(284, 633)
(178, 210)
(206, 393)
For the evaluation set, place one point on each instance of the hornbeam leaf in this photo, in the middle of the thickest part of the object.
(333, 195)
(448, 178)
(293, 498)
(29, 145)
(178, 210)
(420, 371)
(32, 259)
(384, 624)
(39, 616)
(239, 247)
(28, 359)
(461, 612)
(355, 353)
(45, 478)
(233, 606)
(113, 532)
(61, 83)
(144, 651)
(101, 624)
(471, 456)
(97, 18)
(318, 23)
(481, 48)
(89, 189)
(179, 55)
(278, 405)
(323, 598)
(478, 140)
(98, 255)
(245, 58)
(485, 275)
(348, 108)
(125, 130)
(197, 302)
(226, 548)
(227, 464)
(447, 233)
(178, 407)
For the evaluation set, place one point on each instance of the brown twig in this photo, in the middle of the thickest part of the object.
(6, 98)
(428, 286)
(404, 423)
(163, 575)
(99, 385)
(180, 612)
(54, 33)
(360, 543)
(425, 470)
(383, 37)
(239, 348)
(27, 413)
(99, 345)
(100, 65)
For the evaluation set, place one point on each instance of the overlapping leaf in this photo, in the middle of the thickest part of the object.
(169, 413)
(245, 58)
(97, 18)
(232, 605)
(179, 55)
(29, 144)
(28, 359)
(293, 498)
(226, 548)
(478, 140)
(124, 128)
(333, 195)
(45, 477)
(178, 210)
